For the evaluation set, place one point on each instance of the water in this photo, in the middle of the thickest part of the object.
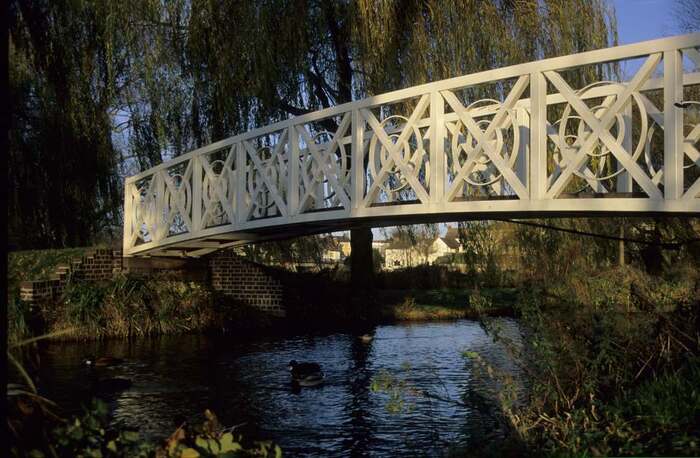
(246, 383)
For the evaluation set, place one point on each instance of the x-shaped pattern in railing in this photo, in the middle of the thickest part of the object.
(599, 131)
(325, 163)
(484, 139)
(267, 178)
(218, 198)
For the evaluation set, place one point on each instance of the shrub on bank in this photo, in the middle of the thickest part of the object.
(35, 427)
(22, 318)
(92, 435)
(614, 365)
(127, 306)
(132, 306)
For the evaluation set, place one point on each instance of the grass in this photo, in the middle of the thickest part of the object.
(24, 320)
(125, 306)
(37, 264)
(444, 304)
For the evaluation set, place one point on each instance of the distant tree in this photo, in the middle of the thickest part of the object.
(480, 245)
(292, 252)
(416, 238)
(687, 15)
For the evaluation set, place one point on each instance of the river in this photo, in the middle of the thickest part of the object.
(246, 382)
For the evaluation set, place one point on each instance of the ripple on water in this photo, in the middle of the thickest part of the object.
(248, 383)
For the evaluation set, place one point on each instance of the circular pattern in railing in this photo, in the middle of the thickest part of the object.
(315, 180)
(144, 221)
(412, 156)
(505, 144)
(273, 171)
(691, 122)
(215, 187)
(178, 204)
(181, 200)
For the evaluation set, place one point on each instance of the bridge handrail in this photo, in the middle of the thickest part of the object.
(597, 56)
(531, 181)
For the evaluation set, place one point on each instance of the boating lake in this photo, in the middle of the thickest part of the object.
(246, 383)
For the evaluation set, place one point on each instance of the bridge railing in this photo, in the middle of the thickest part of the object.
(547, 136)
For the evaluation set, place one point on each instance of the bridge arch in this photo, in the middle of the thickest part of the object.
(565, 136)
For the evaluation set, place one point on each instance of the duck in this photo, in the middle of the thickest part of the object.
(102, 361)
(306, 374)
(366, 338)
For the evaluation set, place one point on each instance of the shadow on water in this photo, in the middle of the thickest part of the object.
(358, 383)
(246, 382)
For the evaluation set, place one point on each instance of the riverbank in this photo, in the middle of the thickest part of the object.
(611, 354)
(445, 304)
(130, 306)
(613, 358)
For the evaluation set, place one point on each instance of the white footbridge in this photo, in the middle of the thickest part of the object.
(611, 131)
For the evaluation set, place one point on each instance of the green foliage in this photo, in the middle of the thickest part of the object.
(124, 306)
(424, 277)
(210, 440)
(611, 356)
(89, 436)
(65, 70)
(36, 265)
(92, 435)
(400, 394)
(24, 319)
(102, 87)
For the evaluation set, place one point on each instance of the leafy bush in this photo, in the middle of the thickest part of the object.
(92, 435)
(36, 265)
(612, 357)
(127, 306)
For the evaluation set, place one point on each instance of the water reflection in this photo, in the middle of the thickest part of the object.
(247, 383)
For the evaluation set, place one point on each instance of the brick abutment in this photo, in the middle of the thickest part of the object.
(225, 272)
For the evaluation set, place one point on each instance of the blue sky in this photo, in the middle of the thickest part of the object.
(639, 20)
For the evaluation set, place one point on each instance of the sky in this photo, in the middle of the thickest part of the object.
(637, 20)
(640, 20)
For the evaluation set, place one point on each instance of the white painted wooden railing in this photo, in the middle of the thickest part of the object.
(544, 138)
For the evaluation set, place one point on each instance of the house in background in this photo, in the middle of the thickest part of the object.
(343, 242)
(402, 253)
(380, 245)
(340, 248)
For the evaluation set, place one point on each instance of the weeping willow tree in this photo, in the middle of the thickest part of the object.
(179, 74)
(239, 65)
(63, 182)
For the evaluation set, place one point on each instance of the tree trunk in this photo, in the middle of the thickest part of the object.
(621, 247)
(361, 265)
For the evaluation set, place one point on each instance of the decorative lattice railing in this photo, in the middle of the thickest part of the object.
(544, 138)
